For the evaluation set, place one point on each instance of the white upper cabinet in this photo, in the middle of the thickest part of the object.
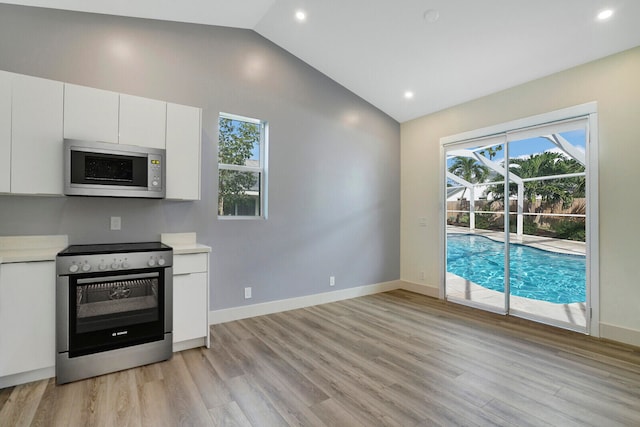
(90, 114)
(5, 132)
(37, 114)
(183, 152)
(142, 121)
(36, 135)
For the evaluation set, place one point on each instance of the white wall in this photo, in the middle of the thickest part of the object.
(614, 83)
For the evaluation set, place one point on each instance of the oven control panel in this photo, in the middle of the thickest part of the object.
(84, 264)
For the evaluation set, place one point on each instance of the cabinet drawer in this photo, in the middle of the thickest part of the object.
(191, 263)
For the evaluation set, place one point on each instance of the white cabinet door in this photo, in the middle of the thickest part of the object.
(190, 306)
(27, 316)
(183, 152)
(142, 121)
(5, 132)
(90, 114)
(36, 141)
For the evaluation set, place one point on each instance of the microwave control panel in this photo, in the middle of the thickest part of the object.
(155, 171)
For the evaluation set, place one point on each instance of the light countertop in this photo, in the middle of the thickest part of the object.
(190, 249)
(184, 243)
(30, 248)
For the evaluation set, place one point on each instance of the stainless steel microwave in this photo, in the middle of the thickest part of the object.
(103, 169)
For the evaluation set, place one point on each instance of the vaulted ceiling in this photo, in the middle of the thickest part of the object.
(444, 52)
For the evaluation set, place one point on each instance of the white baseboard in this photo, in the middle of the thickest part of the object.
(620, 334)
(186, 345)
(27, 377)
(246, 311)
(421, 288)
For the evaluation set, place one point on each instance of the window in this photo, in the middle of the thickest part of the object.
(242, 154)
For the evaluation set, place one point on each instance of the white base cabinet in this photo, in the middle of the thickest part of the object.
(190, 301)
(27, 317)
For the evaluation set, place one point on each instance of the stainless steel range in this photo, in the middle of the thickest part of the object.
(113, 308)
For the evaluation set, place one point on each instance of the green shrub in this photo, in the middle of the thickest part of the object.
(570, 230)
(529, 226)
(483, 221)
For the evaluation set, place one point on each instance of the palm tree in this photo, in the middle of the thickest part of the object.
(491, 151)
(551, 191)
(470, 170)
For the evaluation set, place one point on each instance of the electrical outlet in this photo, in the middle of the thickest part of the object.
(332, 280)
(116, 223)
(422, 275)
(247, 293)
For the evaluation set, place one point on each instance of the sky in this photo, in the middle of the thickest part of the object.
(526, 147)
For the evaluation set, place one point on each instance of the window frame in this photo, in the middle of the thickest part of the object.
(261, 170)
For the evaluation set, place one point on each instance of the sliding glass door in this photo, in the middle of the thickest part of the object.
(517, 223)
(547, 267)
(475, 229)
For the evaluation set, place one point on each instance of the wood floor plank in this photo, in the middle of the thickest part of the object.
(229, 415)
(211, 387)
(5, 393)
(123, 399)
(155, 405)
(271, 366)
(20, 408)
(185, 402)
(254, 405)
(331, 413)
(391, 359)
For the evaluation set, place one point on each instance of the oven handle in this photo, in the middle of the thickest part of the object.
(123, 277)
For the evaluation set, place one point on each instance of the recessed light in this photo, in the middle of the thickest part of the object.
(301, 16)
(431, 15)
(408, 94)
(605, 14)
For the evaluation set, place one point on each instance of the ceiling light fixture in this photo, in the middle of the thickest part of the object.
(605, 14)
(431, 16)
(408, 95)
(301, 16)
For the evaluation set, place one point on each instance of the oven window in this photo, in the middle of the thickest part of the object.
(115, 304)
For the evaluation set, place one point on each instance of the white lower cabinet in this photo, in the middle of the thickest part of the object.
(190, 301)
(27, 317)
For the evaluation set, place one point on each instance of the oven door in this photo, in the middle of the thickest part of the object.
(109, 311)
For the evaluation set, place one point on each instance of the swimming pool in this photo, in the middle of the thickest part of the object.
(534, 273)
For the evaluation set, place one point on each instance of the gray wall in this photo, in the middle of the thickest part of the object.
(334, 180)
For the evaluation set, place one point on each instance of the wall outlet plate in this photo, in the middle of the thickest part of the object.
(332, 280)
(116, 223)
(247, 293)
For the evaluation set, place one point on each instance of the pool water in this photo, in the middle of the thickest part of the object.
(534, 273)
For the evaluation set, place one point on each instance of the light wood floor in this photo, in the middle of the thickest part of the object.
(397, 359)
